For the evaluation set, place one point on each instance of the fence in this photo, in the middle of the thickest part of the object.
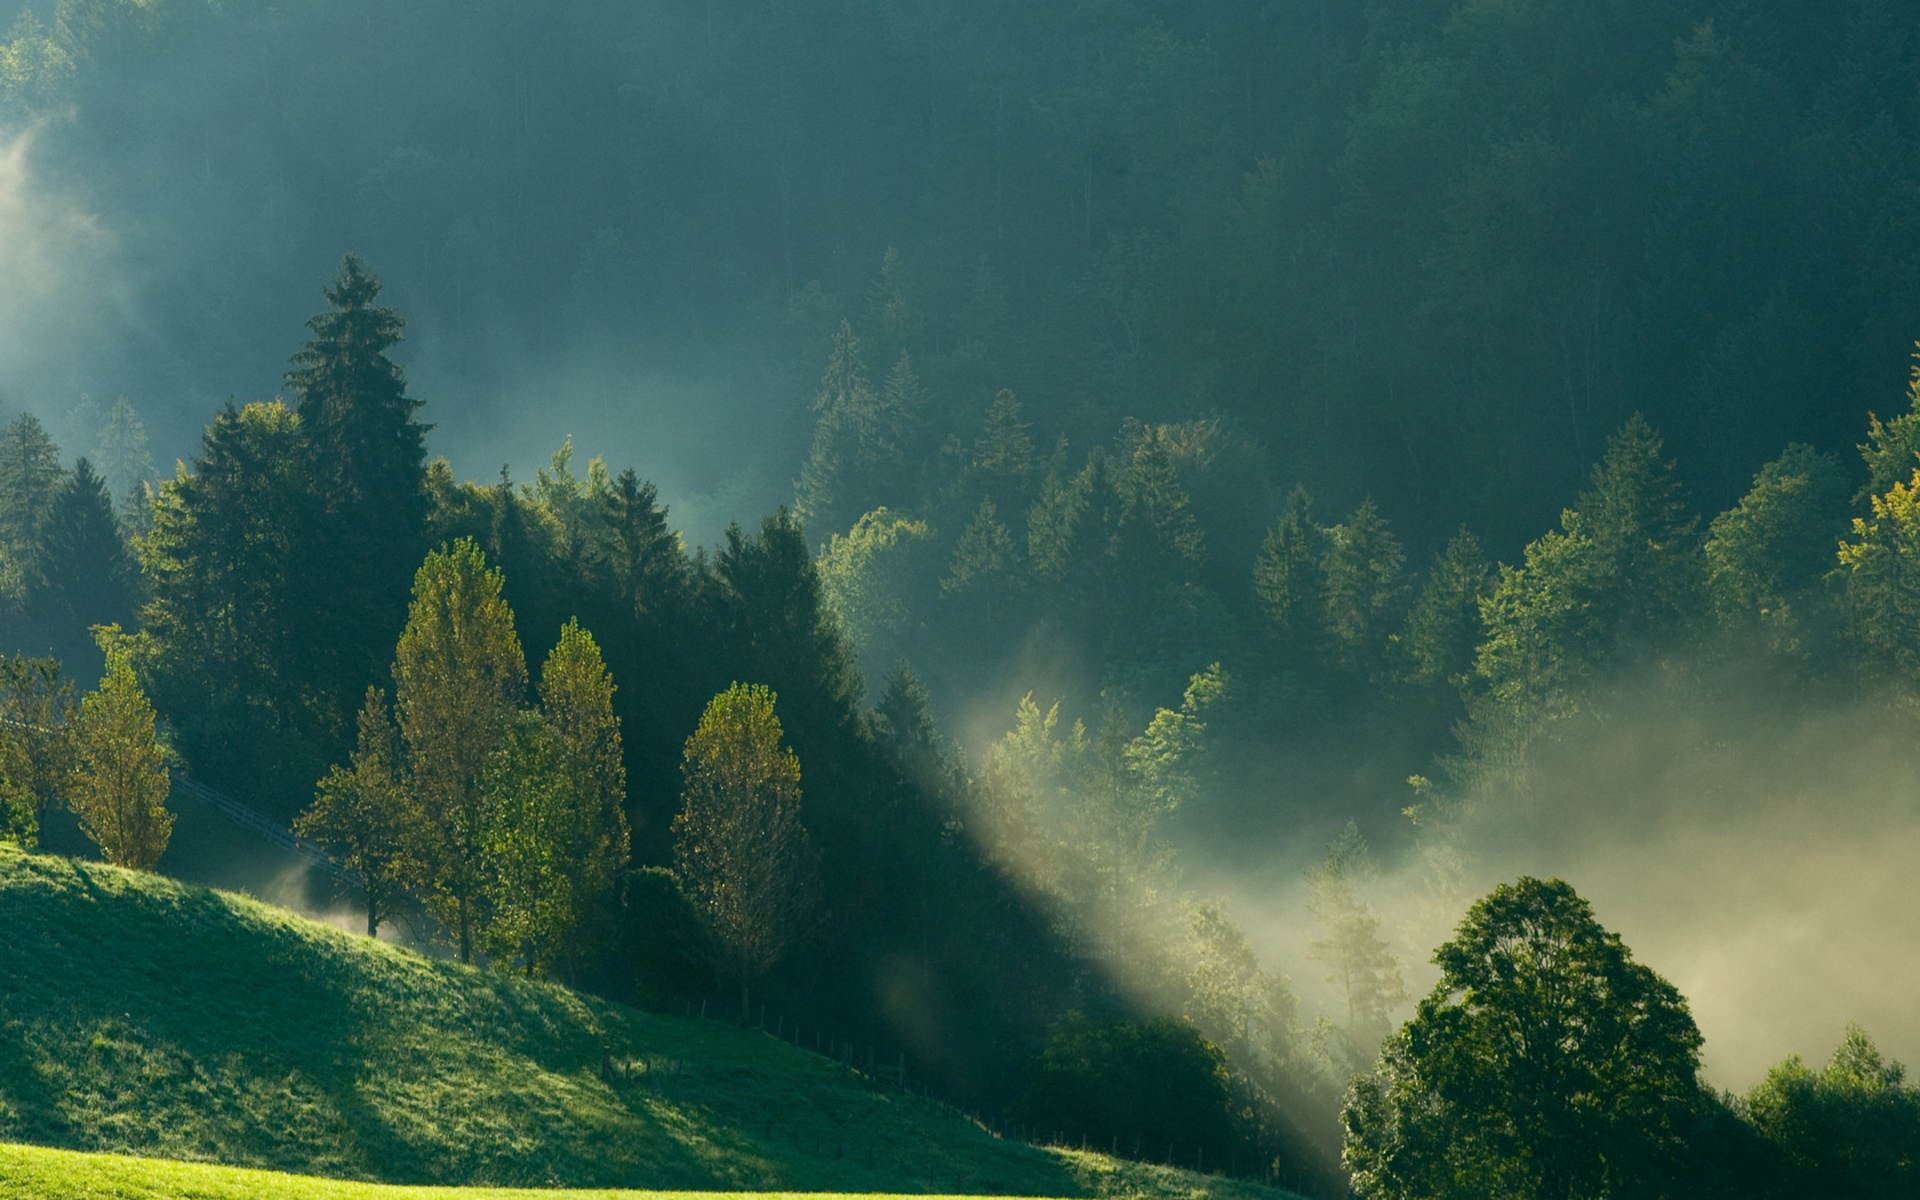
(260, 825)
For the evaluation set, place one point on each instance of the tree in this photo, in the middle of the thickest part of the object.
(87, 574)
(1361, 586)
(36, 744)
(740, 848)
(37, 713)
(229, 582)
(1767, 553)
(865, 577)
(360, 813)
(1545, 1063)
(369, 454)
(458, 676)
(846, 439)
(1444, 627)
(983, 559)
(1851, 1129)
(1148, 1083)
(528, 825)
(1880, 579)
(576, 699)
(1635, 515)
(1361, 964)
(367, 459)
(1003, 450)
(30, 477)
(1287, 580)
(121, 452)
(1248, 1013)
(120, 785)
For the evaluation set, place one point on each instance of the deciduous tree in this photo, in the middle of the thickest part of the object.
(120, 785)
(459, 676)
(740, 847)
(1545, 1063)
(360, 812)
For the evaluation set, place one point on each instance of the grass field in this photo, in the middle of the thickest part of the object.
(139, 1016)
(35, 1172)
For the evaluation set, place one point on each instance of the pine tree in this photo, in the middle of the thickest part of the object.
(367, 459)
(845, 440)
(360, 814)
(1361, 964)
(120, 785)
(1444, 627)
(1287, 580)
(740, 847)
(30, 478)
(1004, 451)
(576, 699)
(1362, 586)
(1160, 538)
(230, 584)
(983, 559)
(458, 677)
(121, 451)
(88, 576)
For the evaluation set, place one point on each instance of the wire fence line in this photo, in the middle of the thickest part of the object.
(261, 825)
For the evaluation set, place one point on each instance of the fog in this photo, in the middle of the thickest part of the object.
(636, 226)
(1760, 861)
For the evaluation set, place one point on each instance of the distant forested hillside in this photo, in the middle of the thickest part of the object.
(1171, 446)
(1431, 252)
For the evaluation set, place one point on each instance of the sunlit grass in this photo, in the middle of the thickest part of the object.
(145, 1017)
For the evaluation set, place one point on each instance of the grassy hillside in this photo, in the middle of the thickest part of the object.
(35, 1172)
(143, 1016)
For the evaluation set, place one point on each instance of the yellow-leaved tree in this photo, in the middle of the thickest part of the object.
(459, 677)
(119, 789)
(740, 848)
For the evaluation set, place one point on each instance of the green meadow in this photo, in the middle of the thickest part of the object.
(144, 1017)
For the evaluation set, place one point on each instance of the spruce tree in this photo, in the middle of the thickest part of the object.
(88, 575)
(121, 451)
(30, 477)
(1362, 588)
(1444, 626)
(367, 464)
(1004, 451)
(1287, 580)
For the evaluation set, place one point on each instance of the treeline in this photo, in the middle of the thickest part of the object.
(320, 603)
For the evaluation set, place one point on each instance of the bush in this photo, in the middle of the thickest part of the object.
(1148, 1084)
(663, 939)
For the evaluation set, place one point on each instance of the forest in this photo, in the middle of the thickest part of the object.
(1123, 457)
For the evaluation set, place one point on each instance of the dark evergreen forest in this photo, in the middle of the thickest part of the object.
(1391, 432)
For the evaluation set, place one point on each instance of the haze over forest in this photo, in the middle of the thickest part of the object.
(1499, 412)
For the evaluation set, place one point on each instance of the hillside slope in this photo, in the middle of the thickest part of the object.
(143, 1016)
